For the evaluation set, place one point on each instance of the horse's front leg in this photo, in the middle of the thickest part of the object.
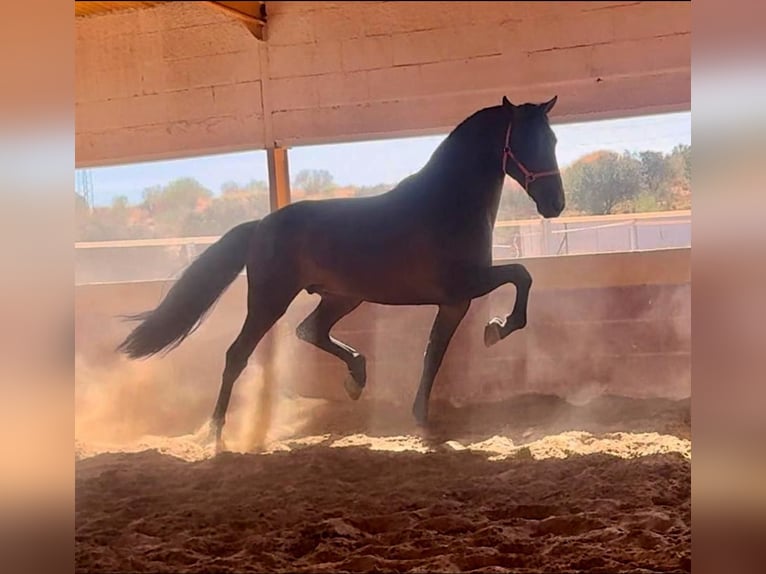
(446, 323)
(482, 281)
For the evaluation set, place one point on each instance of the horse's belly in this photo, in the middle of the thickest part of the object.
(401, 264)
(385, 280)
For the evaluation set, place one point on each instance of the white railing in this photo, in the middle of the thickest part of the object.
(165, 258)
(593, 234)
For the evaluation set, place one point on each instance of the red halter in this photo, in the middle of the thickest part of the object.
(529, 176)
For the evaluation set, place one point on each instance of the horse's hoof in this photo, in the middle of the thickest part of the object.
(492, 334)
(353, 389)
(220, 446)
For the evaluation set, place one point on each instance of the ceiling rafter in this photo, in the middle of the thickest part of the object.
(251, 14)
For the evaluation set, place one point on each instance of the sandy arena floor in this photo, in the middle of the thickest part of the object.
(531, 485)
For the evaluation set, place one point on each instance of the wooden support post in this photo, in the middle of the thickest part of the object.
(279, 177)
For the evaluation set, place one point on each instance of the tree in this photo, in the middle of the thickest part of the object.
(152, 198)
(230, 187)
(314, 181)
(657, 179)
(253, 187)
(82, 217)
(236, 205)
(683, 154)
(170, 206)
(656, 171)
(184, 194)
(515, 203)
(597, 183)
(120, 203)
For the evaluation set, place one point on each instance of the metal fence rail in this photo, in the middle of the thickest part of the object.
(165, 258)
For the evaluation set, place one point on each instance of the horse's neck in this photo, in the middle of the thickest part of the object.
(494, 207)
(464, 176)
(469, 170)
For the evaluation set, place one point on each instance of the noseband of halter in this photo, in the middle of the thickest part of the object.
(529, 176)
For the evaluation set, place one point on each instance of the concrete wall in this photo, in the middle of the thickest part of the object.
(184, 79)
(617, 323)
(392, 68)
(175, 80)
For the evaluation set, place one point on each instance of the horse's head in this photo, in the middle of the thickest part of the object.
(529, 155)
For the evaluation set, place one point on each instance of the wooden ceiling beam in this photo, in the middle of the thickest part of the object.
(255, 24)
(252, 15)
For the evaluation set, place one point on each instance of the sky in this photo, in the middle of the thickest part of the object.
(384, 161)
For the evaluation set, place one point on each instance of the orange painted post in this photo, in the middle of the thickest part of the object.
(279, 196)
(279, 177)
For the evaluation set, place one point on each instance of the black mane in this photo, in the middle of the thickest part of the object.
(466, 135)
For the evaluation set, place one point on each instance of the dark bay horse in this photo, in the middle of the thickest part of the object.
(428, 241)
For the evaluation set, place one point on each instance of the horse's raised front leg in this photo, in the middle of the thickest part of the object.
(446, 323)
(485, 280)
(498, 328)
(315, 329)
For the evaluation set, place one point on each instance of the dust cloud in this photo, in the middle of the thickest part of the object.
(132, 405)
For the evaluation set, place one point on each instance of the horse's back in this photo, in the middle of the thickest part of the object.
(399, 247)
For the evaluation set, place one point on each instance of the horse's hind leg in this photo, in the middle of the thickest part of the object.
(446, 323)
(315, 329)
(264, 309)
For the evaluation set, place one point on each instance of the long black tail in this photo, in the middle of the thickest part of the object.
(192, 296)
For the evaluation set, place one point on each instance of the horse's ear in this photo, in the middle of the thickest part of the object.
(508, 107)
(548, 106)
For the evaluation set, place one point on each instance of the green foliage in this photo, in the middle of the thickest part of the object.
(682, 155)
(183, 207)
(120, 203)
(657, 178)
(646, 202)
(599, 182)
(254, 186)
(606, 182)
(656, 170)
(236, 205)
(177, 198)
(515, 203)
(314, 181)
(82, 215)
